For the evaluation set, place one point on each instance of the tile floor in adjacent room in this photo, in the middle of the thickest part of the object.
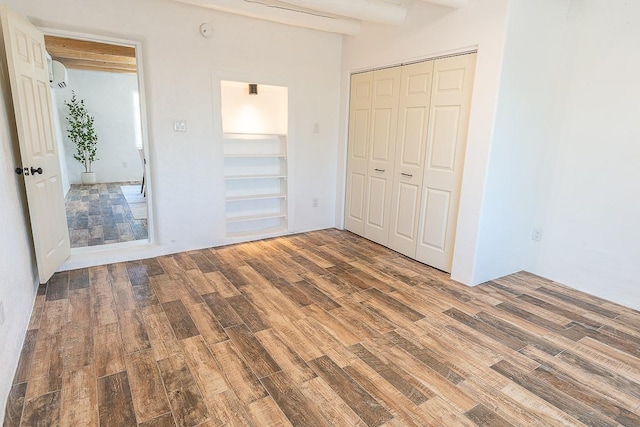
(320, 329)
(98, 214)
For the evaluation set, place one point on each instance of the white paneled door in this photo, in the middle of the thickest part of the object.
(29, 77)
(359, 121)
(446, 143)
(407, 139)
(413, 123)
(384, 121)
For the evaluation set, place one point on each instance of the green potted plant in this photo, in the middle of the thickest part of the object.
(82, 133)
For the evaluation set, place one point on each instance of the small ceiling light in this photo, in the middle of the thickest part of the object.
(253, 89)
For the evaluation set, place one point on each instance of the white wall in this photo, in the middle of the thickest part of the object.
(182, 73)
(590, 206)
(109, 97)
(19, 275)
(527, 112)
(429, 31)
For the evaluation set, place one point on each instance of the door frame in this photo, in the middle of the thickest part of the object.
(80, 255)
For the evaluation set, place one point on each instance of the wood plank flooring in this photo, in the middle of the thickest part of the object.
(320, 329)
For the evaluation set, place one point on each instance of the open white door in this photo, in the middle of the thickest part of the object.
(27, 67)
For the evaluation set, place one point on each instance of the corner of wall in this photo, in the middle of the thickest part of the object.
(19, 276)
(521, 137)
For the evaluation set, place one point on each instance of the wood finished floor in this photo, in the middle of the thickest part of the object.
(320, 329)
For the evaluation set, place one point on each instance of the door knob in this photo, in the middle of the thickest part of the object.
(35, 171)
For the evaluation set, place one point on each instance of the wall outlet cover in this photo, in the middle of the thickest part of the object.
(537, 234)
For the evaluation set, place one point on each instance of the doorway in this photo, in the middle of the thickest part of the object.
(105, 76)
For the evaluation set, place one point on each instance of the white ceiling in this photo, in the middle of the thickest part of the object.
(335, 16)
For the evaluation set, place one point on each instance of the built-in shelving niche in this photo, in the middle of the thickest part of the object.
(255, 171)
(255, 160)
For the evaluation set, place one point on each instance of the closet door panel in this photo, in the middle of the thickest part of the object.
(446, 143)
(376, 207)
(413, 123)
(355, 203)
(358, 151)
(436, 215)
(384, 121)
(406, 220)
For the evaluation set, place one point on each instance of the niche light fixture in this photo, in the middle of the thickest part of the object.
(253, 89)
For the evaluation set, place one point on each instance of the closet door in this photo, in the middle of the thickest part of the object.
(411, 141)
(384, 121)
(358, 151)
(446, 143)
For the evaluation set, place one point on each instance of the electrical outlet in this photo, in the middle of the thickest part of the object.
(316, 128)
(179, 125)
(315, 202)
(537, 234)
(2, 318)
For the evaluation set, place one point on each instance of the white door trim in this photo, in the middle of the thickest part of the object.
(80, 254)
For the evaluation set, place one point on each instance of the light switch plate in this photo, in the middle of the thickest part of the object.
(179, 125)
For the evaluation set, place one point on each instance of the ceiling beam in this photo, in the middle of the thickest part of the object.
(88, 55)
(67, 45)
(108, 67)
(454, 4)
(269, 11)
(365, 10)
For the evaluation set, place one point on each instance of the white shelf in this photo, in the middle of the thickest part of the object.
(256, 169)
(255, 197)
(237, 177)
(255, 156)
(256, 181)
(255, 217)
(273, 231)
(238, 135)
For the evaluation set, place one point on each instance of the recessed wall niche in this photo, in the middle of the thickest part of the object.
(255, 159)
(265, 113)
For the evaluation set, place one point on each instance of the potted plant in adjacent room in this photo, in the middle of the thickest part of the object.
(82, 133)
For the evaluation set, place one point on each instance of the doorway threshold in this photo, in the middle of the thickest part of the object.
(112, 253)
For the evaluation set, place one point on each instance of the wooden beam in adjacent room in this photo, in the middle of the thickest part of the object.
(110, 67)
(89, 55)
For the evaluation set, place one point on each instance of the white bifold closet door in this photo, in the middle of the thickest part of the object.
(446, 145)
(407, 138)
(373, 120)
(384, 122)
(411, 141)
(358, 149)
